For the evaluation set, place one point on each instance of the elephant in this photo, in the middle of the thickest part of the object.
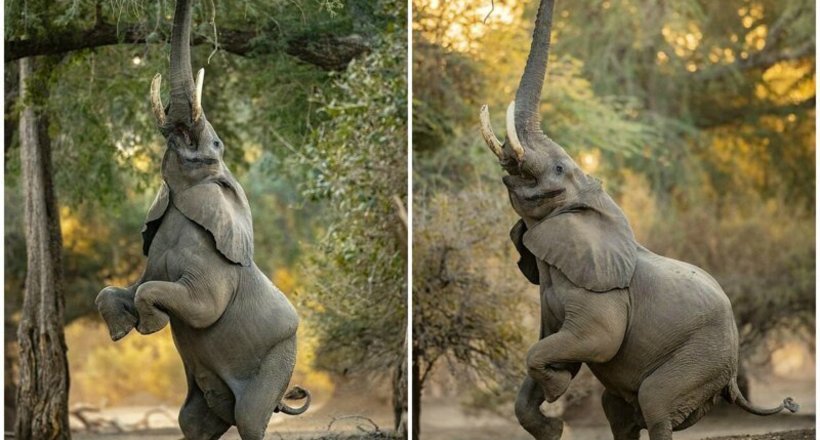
(234, 330)
(658, 333)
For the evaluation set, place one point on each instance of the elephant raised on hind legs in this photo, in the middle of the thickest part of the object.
(658, 333)
(235, 331)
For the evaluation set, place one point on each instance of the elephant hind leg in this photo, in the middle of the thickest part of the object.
(621, 416)
(197, 421)
(680, 391)
(528, 411)
(262, 393)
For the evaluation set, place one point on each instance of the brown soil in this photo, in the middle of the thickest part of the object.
(800, 434)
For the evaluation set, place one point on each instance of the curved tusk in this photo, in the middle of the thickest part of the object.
(197, 105)
(512, 135)
(487, 133)
(156, 101)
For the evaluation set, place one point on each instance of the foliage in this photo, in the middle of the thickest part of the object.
(99, 140)
(355, 161)
(468, 296)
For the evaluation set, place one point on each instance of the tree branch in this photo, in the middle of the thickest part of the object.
(324, 50)
(758, 60)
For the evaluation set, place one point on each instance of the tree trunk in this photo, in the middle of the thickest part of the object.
(416, 372)
(400, 395)
(42, 393)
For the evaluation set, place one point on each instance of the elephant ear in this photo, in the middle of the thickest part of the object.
(152, 220)
(527, 263)
(590, 242)
(222, 209)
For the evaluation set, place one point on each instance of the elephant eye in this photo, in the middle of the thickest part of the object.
(559, 169)
(216, 144)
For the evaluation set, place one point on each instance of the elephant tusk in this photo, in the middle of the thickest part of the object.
(156, 101)
(197, 105)
(512, 135)
(487, 133)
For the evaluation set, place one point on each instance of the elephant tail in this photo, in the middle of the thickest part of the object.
(735, 396)
(296, 393)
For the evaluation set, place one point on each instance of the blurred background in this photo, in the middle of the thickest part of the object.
(309, 98)
(700, 119)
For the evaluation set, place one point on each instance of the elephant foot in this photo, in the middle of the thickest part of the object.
(152, 322)
(553, 383)
(552, 429)
(117, 310)
(120, 326)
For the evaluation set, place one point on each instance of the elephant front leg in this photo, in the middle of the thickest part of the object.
(530, 417)
(548, 358)
(198, 308)
(592, 332)
(116, 306)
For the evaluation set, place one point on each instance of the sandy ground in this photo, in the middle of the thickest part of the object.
(352, 413)
(443, 421)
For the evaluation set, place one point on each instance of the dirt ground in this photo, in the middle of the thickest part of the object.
(800, 434)
(354, 412)
(441, 420)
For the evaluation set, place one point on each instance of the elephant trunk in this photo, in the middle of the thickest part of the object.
(182, 82)
(528, 95)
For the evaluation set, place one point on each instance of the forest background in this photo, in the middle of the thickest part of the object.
(309, 98)
(698, 116)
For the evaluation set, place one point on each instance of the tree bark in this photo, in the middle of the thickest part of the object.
(42, 393)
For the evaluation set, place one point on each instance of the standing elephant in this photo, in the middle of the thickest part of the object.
(658, 333)
(235, 331)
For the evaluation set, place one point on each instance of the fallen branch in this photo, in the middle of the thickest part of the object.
(359, 427)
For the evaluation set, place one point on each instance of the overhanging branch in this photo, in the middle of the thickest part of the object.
(326, 51)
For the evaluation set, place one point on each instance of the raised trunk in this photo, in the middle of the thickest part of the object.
(42, 393)
(182, 79)
(528, 95)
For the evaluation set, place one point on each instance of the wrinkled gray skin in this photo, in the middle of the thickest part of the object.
(658, 333)
(235, 331)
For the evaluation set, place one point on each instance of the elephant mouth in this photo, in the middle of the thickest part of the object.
(545, 196)
(200, 161)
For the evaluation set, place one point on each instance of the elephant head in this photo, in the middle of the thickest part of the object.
(541, 176)
(567, 219)
(194, 151)
(195, 177)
